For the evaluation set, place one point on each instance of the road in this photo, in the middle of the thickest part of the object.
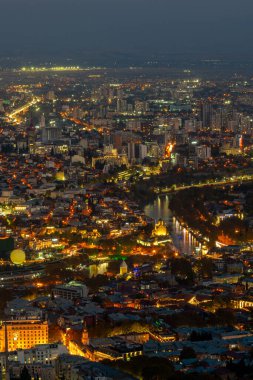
(23, 108)
(226, 181)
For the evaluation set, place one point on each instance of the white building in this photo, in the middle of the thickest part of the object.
(203, 152)
(71, 291)
(41, 353)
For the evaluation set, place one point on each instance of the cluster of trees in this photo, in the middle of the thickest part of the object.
(143, 192)
(200, 336)
(241, 369)
(155, 368)
(186, 272)
(189, 205)
(236, 229)
(146, 368)
(104, 329)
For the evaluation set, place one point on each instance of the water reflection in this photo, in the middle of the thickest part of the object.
(159, 209)
(183, 240)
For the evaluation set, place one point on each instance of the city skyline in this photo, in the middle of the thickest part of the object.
(126, 190)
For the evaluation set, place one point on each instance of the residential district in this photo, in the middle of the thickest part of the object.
(125, 224)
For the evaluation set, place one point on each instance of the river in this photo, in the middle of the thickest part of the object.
(182, 239)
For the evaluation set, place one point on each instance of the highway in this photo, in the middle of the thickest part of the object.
(23, 108)
(225, 181)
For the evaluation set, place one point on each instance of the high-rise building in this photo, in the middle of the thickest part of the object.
(31, 137)
(51, 95)
(141, 107)
(121, 105)
(143, 151)
(132, 153)
(117, 141)
(42, 121)
(137, 152)
(50, 134)
(220, 119)
(203, 152)
(206, 113)
(1, 105)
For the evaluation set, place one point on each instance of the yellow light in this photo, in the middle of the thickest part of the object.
(17, 256)
(168, 150)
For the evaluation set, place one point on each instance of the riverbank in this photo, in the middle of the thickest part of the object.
(183, 239)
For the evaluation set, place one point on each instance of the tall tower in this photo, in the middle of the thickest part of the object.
(206, 114)
(31, 137)
(42, 121)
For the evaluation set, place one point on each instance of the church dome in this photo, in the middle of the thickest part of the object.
(160, 229)
(123, 264)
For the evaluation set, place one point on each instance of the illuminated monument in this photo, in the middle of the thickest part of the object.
(160, 230)
(159, 236)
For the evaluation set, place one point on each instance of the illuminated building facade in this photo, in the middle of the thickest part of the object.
(123, 268)
(160, 236)
(23, 334)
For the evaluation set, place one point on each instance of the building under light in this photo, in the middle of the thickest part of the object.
(160, 236)
(22, 334)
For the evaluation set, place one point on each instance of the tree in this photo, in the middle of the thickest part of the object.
(146, 368)
(182, 269)
(25, 374)
(154, 373)
(204, 267)
(198, 337)
(187, 353)
(225, 317)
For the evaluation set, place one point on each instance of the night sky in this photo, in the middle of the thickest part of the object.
(206, 28)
